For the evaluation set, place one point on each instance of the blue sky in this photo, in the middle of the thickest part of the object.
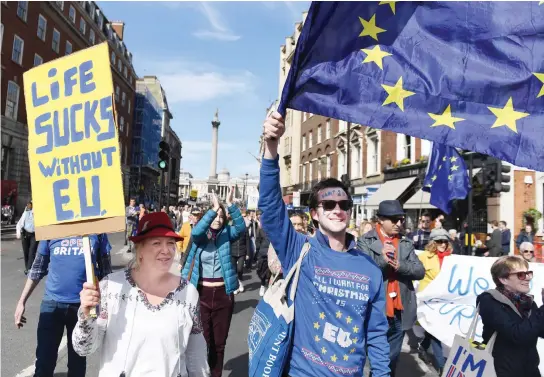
(211, 55)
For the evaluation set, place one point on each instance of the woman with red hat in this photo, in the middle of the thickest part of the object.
(148, 318)
(209, 267)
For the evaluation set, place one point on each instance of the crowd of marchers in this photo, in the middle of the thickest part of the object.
(355, 297)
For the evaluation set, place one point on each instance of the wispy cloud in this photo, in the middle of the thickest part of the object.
(195, 81)
(219, 29)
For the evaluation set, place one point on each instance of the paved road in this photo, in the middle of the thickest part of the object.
(18, 346)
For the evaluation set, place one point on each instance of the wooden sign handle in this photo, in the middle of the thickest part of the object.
(89, 267)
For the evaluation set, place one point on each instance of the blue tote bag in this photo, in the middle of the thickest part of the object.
(271, 327)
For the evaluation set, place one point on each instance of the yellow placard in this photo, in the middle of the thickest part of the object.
(194, 194)
(73, 146)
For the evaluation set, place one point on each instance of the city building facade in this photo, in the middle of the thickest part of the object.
(34, 33)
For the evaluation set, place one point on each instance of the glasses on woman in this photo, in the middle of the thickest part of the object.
(442, 242)
(528, 252)
(523, 275)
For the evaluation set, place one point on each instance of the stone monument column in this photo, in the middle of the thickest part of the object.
(215, 135)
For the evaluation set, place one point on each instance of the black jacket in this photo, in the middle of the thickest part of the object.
(495, 244)
(515, 353)
(240, 247)
(261, 244)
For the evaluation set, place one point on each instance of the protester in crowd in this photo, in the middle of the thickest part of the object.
(25, 232)
(252, 229)
(510, 312)
(438, 248)
(421, 236)
(209, 267)
(239, 249)
(400, 266)
(274, 263)
(186, 228)
(456, 242)
(526, 235)
(262, 244)
(439, 221)
(147, 314)
(321, 304)
(495, 243)
(132, 214)
(63, 262)
(506, 237)
(143, 211)
(366, 226)
(527, 251)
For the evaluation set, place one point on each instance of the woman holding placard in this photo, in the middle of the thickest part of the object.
(510, 312)
(149, 319)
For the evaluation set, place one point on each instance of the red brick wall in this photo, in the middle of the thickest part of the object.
(524, 198)
(388, 148)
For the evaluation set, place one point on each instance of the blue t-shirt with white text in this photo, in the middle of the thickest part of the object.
(67, 266)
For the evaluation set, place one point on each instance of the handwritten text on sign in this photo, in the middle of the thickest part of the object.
(73, 143)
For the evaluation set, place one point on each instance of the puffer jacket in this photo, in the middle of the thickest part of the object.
(410, 269)
(515, 353)
(199, 239)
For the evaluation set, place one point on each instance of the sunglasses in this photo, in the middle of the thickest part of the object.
(396, 219)
(441, 241)
(523, 275)
(528, 252)
(329, 205)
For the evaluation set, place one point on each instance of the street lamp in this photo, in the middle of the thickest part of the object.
(245, 190)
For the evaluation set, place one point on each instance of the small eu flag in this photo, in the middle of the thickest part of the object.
(468, 74)
(446, 177)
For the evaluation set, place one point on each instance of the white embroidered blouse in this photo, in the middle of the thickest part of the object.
(141, 339)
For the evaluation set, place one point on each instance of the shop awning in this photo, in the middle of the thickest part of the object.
(421, 199)
(390, 190)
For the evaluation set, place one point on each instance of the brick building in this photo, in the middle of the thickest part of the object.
(37, 32)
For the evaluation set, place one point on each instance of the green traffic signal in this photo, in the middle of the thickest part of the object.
(162, 164)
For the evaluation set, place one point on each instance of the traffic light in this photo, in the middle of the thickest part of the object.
(164, 150)
(502, 178)
(490, 177)
(494, 180)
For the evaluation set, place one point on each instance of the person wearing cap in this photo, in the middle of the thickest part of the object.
(438, 248)
(185, 231)
(400, 266)
(209, 267)
(148, 318)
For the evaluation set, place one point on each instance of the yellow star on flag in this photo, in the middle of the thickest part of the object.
(450, 177)
(391, 4)
(375, 55)
(453, 158)
(445, 119)
(370, 29)
(434, 178)
(334, 358)
(454, 168)
(348, 319)
(322, 315)
(316, 325)
(339, 314)
(542, 2)
(444, 158)
(355, 329)
(396, 94)
(346, 357)
(539, 76)
(354, 340)
(317, 339)
(507, 116)
(352, 350)
(323, 350)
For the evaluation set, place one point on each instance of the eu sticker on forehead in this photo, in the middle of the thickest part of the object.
(332, 193)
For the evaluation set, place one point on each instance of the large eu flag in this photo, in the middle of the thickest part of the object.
(466, 74)
(446, 177)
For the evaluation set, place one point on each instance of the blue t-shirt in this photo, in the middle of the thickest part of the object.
(67, 266)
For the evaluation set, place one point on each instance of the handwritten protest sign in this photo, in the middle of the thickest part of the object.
(73, 146)
(448, 304)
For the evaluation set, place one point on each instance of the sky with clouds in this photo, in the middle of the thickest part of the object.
(211, 55)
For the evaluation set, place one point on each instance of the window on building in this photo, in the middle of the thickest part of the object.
(72, 14)
(126, 128)
(373, 151)
(128, 108)
(113, 58)
(68, 48)
(319, 134)
(91, 9)
(125, 72)
(22, 10)
(12, 100)
(329, 165)
(60, 4)
(82, 26)
(304, 173)
(123, 99)
(121, 124)
(322, 171)
(92, 37)
(116, 94)
(55, 44)
(119, 65)
(408, 146)
(310, 139)
(328, 129)
(341, 163)
(303, 143)
(18, 48)
(311, 174)
(37, 60)
(100, 21)
(42, 27)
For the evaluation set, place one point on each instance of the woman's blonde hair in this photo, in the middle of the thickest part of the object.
(432, 246)
(503, 266)
(362, 226)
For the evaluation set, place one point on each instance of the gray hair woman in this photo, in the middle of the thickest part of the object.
(510, 311)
